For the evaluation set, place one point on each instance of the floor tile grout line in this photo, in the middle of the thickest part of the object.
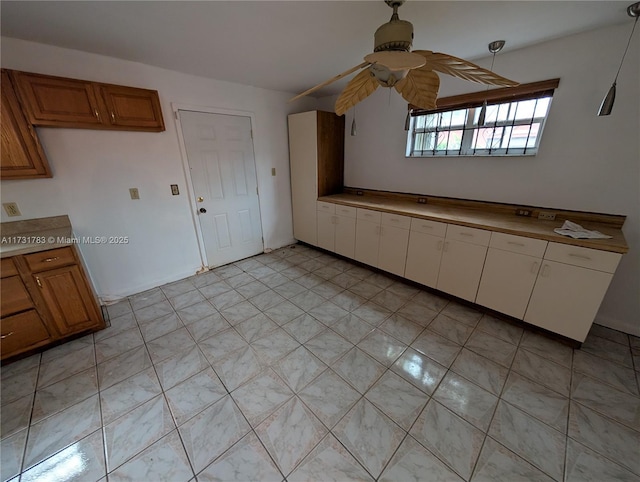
(28, 427)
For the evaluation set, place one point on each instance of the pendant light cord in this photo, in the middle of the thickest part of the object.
(626, 49)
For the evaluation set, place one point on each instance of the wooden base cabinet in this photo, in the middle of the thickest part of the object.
(570, 288)
(46, 297)
(509, 273)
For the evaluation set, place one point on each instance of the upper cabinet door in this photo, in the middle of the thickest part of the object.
(132, 107)
(57, 101)
(22, 155)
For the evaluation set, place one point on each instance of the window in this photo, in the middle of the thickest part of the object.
(513, 125)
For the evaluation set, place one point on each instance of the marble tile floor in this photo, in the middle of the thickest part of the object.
(298, 365)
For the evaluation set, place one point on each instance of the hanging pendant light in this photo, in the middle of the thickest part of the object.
(407, 120)
(494, 47)
(354, 130)
(633, 10)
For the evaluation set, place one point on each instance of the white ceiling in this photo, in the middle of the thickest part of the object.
(290, 45)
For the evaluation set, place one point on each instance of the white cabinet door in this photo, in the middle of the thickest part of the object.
(345, 240)
(461, 268)
(566, 298)
(392, 254)
(367, 242)
(423, 258)
(507, 281)
(326, 230)
(303, 158)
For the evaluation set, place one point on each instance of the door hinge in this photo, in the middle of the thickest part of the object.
(175, 113)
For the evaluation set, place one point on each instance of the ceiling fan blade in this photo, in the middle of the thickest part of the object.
(358, 88)
(420, 88)
(330, 81)
(396, 60)
(463, 69)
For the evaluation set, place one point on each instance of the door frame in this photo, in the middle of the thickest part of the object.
(175, 107)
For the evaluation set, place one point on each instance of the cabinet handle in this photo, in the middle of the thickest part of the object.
(446, 246)
(113, 117)
(545, 270)
(49, 260)
(334, 219)
(38, 282)
(514, 243)
(439, 246)
(580, 256)
(426, 226)
(534, 267)
(466, 234)
(394, 220)
(95, 111)
(2, 337)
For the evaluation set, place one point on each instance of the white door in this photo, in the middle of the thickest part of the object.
(223, 173)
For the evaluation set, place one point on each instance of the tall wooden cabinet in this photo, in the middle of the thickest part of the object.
(22, 155)
(316, 156)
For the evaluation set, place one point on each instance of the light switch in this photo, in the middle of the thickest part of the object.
(273, 171)
(133, 191)
(11, 209)
(174, 189)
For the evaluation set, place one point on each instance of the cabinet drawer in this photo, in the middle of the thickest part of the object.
(346, 211)
(468, 235)
(326, 207)
(21, 332)
(396, 221)
(586, 257)
(428, 227)
(518, 244)
(369, 215)
(8, 268)
(14, 296)
(52, 258)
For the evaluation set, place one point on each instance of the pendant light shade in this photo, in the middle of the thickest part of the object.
(483, 114)
(607, 103)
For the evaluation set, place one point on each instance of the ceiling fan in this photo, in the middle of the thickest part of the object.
(411, 73)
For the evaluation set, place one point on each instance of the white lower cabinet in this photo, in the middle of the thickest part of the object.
(424, 252)
(367, 236)
(569, 289)
(394, 239)
(345, 226)
(463, 257)
(510, 271)
(326, 230)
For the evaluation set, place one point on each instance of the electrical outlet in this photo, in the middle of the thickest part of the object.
(174, 189)
(422, 200)
(359, 193)
(546, 215)
(133, 192)
(11, 209)
(523, 212)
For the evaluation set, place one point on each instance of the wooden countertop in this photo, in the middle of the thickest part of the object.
(35, 235)
(494, 217)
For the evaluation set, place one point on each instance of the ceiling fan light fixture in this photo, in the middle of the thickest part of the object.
(396, 34)
(606, 106)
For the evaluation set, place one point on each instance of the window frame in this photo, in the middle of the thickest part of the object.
(471, 104)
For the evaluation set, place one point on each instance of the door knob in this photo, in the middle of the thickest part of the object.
(202, 210)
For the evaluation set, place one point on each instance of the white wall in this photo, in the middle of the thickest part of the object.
(585, 162)
(93, 170)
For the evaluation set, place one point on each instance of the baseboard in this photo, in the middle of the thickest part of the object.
(624, 326)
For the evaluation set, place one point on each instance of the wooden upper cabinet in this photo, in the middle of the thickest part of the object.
(56, 101)
(62, 102)
(132, 107)
(22, 155)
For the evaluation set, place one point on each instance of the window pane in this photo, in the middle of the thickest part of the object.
(511, 128)
(542, 107)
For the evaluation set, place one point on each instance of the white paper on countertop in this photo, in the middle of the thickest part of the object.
(578, 232)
